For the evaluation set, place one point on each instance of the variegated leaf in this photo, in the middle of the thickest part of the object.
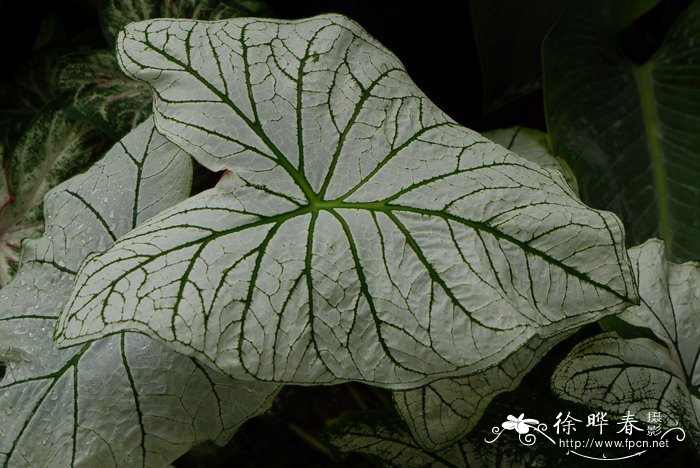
(101, 94)
(124, 400)
(116, 14)
(362, 234)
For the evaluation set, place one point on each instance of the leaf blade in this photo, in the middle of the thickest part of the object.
(509, 37)
(639, 127)
(124, 400)
(640, 375)
(101, 94)
(373, 209)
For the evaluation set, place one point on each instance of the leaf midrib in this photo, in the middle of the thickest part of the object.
(650, 116)
(383, 207)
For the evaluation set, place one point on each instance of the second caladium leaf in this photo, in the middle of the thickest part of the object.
(386, 443)
(440, 414)
(641, 375)
(362, 234)
(124, 400)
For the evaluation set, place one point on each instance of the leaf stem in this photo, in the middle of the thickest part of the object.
(645, 86)
(312, 441)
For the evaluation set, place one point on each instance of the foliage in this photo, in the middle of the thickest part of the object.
(424, 282)
(123, 400)
(635, 123)
(641, 374)
(324, 265)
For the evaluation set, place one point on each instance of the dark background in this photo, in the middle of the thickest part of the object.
(434, 42)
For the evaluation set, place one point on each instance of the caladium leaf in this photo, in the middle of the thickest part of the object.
(362, 234)
(509, 36)
(386, 442)
(442, 413)
(637, 124)
(53, 148)
(125, 400)
(116, 14)
(641, 375)
(101, 94)
(534, 146)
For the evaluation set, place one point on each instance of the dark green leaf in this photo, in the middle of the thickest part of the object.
(637, 125)
(509, 36)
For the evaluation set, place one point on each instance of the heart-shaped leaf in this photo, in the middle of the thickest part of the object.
(634, 124)
(362, 234)
(125, 400)
(641, 375)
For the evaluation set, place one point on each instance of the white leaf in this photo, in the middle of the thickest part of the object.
(362, 234)
(642, 375)
(124, 400)
(443, 412)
